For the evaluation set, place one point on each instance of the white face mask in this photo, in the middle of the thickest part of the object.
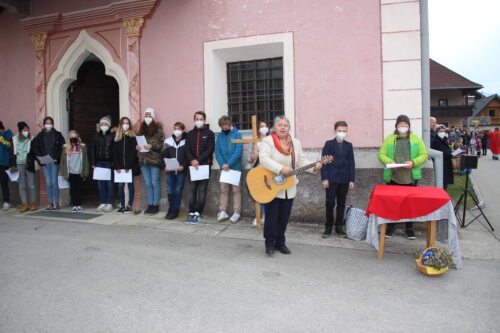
(403, 130)
(26, 133)
(263, 130)
(177, 133)
(125, 127)
(148, 120)
(442, 135)
(341, 135)
(199, 123)
(104, 129)
(48, 127)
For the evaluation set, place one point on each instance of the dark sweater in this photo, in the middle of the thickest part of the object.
(41, 141)
(341, 170)
(125, 155)
(200, 145)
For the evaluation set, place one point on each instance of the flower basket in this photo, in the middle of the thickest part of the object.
(433, 261)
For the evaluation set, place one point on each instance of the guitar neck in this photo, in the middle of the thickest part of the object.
(302, 169)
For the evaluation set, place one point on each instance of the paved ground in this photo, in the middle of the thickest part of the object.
(59, 276)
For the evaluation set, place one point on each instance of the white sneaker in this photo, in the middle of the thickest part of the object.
(222, 215)
(235, 217)
(74, 209)
(100, 208)
(108, 207)
(6, 206)
(79, 209)
(255, 221)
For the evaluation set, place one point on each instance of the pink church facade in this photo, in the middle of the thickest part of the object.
(352, 60)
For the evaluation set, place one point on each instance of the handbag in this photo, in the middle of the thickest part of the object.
(356, 223)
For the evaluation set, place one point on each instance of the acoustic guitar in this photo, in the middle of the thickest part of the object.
(264, 185)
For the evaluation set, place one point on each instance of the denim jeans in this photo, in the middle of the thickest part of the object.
(151, 176)
(197, 195)
(51, 172)
(106, 187)
(131, 193)
(175, 185)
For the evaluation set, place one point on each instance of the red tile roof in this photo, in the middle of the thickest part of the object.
(445, 78)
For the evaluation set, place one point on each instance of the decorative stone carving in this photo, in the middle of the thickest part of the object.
(133, 26)
(38, 40)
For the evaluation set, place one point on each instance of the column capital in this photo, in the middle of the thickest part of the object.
(38, 39)
(133, 25)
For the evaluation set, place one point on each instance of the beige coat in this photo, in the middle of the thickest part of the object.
(271, 159)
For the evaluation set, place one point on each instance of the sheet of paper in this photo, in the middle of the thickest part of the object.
(171, 163)
(123, 177)
(45, 159)
(62, 182)
(457, 152)
(231, 177)
(199, 174)
(13, 175)
(395, 165)
(102, 174)
(141, 141)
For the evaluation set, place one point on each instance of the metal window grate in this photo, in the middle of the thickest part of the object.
(255, 87)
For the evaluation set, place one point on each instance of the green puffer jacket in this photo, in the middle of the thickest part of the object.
(153, 156)
(418, 155)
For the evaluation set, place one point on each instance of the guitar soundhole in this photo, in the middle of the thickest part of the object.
(279, 179)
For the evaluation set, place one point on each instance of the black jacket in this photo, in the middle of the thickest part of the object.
(341, 170)
(442, 145)
(125, 155)
(101, 148)
(200, 145)
(40, 150)
(176, 149)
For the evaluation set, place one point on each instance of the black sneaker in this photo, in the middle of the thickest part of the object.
(155, 209)
(56, 207)
(339, 231)
(49, 208)
(127, 210)
(389, 232)
(189, 219)
(148, 210)
(120, 210)
(410, 234)
(327, 233)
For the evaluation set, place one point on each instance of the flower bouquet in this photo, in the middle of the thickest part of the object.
(434, 261)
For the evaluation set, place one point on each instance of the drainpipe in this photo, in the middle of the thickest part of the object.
(435, 155)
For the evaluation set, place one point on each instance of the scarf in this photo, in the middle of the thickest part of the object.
(288, 150)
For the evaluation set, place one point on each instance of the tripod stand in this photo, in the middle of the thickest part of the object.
(463, 201)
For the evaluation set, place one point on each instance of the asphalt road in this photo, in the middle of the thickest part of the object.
(78, 277)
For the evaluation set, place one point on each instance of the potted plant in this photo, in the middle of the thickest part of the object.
(434, 261)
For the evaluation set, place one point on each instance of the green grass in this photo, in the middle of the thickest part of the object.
(455, 190)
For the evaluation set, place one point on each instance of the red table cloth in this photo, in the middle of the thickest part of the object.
(394, 202)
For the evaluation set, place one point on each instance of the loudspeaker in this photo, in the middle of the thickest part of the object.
(468, 162)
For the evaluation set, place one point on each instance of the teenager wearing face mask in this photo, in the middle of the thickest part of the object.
(50, 142)
(6, 161)
(175, 147)
(25, 161)
(440, 142)
(405, 147)
(75, 168)
(125, 160)
(101, 156)
(200, 144)
(228, 156)
(254, 159)
(151, 161)
(337, 177)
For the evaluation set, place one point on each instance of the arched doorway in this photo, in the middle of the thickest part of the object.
(90, 97)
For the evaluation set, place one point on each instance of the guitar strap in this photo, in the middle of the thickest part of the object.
(292, 153)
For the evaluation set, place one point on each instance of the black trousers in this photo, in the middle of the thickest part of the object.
(484, 149)
(277, 215)
(197, 195)
(408, 225)
(4, 181)
(75, 189)
(335, 194)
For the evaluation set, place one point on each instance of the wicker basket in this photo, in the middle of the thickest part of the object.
(426, 270)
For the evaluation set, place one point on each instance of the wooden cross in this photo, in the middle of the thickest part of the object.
(255, 138)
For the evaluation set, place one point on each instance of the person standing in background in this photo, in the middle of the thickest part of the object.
(6, 159)
(484, 142)
(440, 143)
(50, 142)
(25, 161)
(494, 140)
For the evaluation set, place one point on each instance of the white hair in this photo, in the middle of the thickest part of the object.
(278, 118)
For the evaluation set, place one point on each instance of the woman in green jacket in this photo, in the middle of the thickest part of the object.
(403, 147)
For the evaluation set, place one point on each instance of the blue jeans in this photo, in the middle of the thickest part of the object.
(106, 187)
(175, 185)
(50, 172)
(131, 193)
(151, 176)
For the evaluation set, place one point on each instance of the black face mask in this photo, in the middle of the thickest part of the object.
(226, 131)
(73, 140)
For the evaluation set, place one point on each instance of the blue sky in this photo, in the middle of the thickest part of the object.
(465, 37)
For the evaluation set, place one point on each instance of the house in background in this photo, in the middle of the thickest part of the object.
(486, 113)
(452, 95)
